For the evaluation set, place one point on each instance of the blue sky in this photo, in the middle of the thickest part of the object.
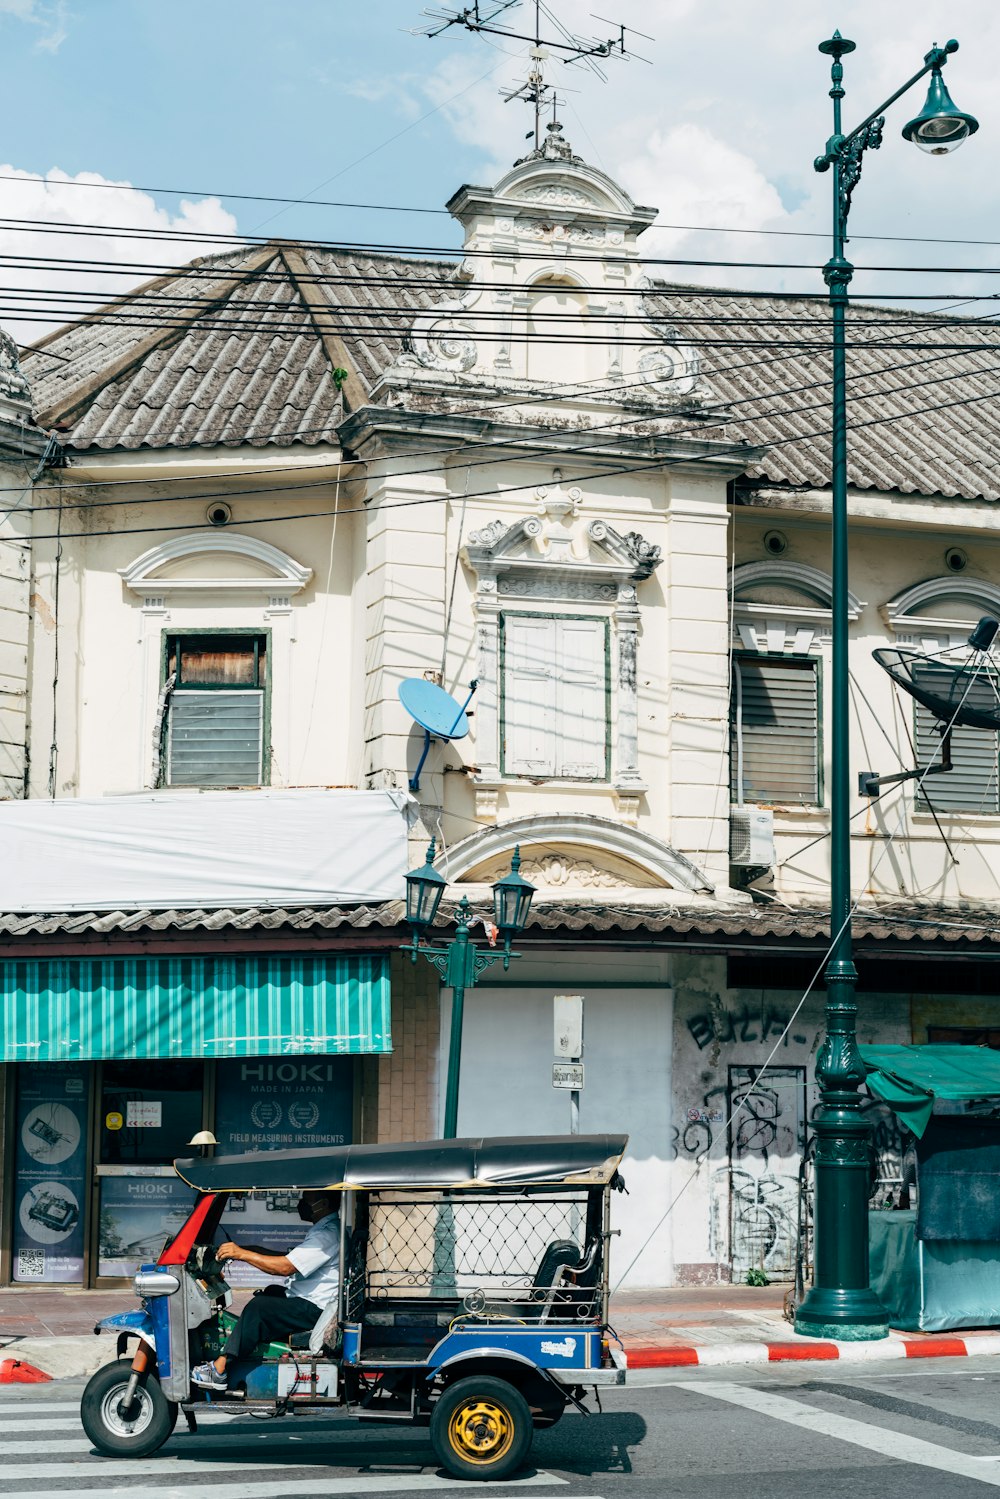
(301, 98)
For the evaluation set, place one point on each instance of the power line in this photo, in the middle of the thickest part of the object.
(221, 193)
(554, 448)
(733, 450)
(457, 252)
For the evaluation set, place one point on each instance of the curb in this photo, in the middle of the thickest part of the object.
(892, 1347)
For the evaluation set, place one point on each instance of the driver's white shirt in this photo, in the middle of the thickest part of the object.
(317, 1263)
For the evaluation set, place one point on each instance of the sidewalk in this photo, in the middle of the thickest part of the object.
(684, 1325)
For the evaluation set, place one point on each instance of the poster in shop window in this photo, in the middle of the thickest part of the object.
(50, 1172)
(277, 1103)
(138, 1215)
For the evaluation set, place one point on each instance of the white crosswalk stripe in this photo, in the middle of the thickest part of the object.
(326, 1488)
(231, 1457)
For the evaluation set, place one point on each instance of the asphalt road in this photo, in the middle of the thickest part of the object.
(788, 1431)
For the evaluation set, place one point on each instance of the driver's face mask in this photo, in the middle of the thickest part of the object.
(305, 1210)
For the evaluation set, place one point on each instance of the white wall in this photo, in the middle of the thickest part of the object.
(506, 1086)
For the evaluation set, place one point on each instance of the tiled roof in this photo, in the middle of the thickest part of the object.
(946, 927)
(241, 359)
(897, 364)
(121, 383)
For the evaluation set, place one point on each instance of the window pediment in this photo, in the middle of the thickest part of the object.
(556, 552)
(216, 561)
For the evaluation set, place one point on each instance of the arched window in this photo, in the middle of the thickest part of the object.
(781, 616)
(931, 616)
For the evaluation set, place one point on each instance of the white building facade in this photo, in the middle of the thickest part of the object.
(539, 470)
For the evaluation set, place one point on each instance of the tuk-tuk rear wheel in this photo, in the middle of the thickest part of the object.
(117, 1432)
(481, 1428)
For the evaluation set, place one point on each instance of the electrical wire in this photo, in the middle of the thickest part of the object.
(194, 192)
(146, 234)
(738, 449)
(578, 448)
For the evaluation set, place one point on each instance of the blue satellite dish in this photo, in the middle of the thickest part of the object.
(433, 709)
(437, 713)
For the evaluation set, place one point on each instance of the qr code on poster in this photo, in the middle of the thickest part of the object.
(30, 1264)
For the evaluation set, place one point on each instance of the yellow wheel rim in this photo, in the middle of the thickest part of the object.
(481, 1431)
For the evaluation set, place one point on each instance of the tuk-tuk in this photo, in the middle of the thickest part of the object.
(473, 1299)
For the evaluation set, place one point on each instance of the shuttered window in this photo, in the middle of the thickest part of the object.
(774, 738)
(554, 697)
(972, 785)
(215, 727)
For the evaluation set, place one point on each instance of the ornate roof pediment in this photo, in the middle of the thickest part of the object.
(555, 540)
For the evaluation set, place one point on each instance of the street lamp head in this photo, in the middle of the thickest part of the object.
(512, 900)
(424, 889)
(939, 127)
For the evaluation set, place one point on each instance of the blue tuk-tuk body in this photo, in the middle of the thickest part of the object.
(473, 1298)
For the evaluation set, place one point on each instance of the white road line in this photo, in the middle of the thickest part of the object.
(905, 1449)
(163, 1467)
(71, 1422)
(41, 1423)
(51, 1447)
(10, 1407)
(327, 1488)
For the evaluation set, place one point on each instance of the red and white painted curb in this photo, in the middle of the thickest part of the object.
(895, 1346)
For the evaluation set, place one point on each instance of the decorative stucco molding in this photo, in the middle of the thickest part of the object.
(574, 848)
(555, 555)
(281, 575)
(14, 389)
(975, 591)
(777, 629)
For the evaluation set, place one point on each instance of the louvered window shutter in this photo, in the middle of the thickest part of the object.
(582, 696)
(555, 692)
(972, 784)
(529, 702)
(215, 738)
(774, 740)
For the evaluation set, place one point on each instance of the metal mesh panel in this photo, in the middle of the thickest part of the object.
(523, 1256)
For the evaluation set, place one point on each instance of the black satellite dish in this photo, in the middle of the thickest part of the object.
(437, 713)
(958, 685)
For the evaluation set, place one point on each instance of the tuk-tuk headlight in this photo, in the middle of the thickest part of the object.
(155, 1283)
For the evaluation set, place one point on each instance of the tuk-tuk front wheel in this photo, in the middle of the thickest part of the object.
(120, 1431)
(481, 1428)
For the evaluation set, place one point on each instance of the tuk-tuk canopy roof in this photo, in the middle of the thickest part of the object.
(909, 1078)
(503, 1161)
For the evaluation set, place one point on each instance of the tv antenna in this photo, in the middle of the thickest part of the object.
(486, 17)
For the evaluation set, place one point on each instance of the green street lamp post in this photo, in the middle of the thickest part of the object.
(461, 962)
(841, 1303)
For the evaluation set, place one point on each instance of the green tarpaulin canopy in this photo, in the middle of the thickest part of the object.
(909, 1078)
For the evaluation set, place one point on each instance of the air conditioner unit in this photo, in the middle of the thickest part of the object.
(751, 836)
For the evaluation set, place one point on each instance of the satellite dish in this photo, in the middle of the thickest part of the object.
(960, 687)
(956, 692)
(437, 712)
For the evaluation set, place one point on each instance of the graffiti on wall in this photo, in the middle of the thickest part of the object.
(745, 1025)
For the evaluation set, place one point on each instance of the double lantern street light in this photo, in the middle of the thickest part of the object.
(461, 962)
(841, 1303)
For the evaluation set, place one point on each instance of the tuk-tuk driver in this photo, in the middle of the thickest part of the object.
(313, 1271)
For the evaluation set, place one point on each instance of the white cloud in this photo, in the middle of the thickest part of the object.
(722, 130)
(50, 15)
(42, 294)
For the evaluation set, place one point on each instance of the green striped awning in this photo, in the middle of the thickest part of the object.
(73, 1009)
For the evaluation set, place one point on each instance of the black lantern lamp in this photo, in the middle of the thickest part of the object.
(424, 889)
(512, 901)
